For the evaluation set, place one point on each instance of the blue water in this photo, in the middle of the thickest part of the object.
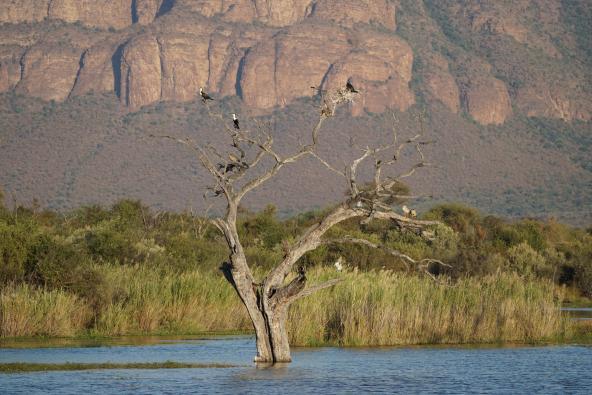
(510, 370)
(578, 313)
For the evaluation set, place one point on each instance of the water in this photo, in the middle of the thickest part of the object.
(511, 370)
(578, 313)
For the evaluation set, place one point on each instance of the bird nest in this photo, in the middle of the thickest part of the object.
(334, 98)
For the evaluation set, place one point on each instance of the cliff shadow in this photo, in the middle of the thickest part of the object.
(239, 75)
(165, 7)
(135, 11)
(116, 64)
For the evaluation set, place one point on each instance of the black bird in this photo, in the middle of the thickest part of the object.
(227, 168)
(235, 120)
(204, 95)
(302, 271)
(350, 88)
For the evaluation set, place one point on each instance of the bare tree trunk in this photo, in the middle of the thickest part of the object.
(252, 162)
(279, 335)
(268, 312)
(269, 321)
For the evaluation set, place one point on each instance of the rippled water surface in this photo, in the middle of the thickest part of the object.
(511, 370)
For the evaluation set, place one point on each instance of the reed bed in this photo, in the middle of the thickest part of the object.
(386, 308)
(366, 308)
(149, 301)
(28, 311)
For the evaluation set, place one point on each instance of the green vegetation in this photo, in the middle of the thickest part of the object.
(47, 367)
(384, 308)
(127, 270)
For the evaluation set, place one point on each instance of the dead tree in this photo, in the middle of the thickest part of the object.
(254, 161)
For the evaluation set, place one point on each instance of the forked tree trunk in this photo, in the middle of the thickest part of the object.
(274, 336)
(269, 314)
(269, 320)
(268, 303)
(268, 310)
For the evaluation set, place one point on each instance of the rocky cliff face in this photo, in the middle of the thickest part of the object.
(96, 13)
(269, 53)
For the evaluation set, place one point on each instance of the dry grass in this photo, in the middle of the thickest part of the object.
(27, 311)
(385, 308)
(371, 308)
(147, 301)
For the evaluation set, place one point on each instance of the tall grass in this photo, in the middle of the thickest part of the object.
(27, 311)
(369, 308)
(386, 308)
(148, 301)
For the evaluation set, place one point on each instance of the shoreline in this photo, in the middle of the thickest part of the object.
(582, 336)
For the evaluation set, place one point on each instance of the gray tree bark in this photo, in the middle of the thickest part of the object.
(268, 302)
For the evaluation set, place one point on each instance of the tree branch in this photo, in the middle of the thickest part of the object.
(406, 258)
(309, 241)
(317, 287)
(422, 264)
(205, 161)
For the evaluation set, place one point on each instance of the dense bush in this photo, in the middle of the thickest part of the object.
(63, 252)
(15, 241)
(526, 261)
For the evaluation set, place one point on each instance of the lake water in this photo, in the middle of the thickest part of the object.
(511, 370)
(578, 313)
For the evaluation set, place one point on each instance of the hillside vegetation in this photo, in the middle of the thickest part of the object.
(129, 270)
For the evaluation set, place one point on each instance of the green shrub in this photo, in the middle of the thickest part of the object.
(89, 216)
(105, 242)
(54, 264)
(582, 263)
(458, 217)
(187, 252)
(15, 241)
(531, 232)
(527, 262)
(471, 262)
(264, 228)
(130, 214)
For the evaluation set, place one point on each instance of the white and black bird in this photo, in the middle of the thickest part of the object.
(204, 96)
(339, 264)
(413, 213)
(350, 88)
(406, 210)
(235, 121)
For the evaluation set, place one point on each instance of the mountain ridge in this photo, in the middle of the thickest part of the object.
(506, 88)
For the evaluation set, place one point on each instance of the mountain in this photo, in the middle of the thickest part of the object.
(505, 86)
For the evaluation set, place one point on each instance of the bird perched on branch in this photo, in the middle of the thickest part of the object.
(406, 210)
(409, 212)
(302, 271)
(235, 121)
(204, 96)
(350, 88)
(227, 168)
